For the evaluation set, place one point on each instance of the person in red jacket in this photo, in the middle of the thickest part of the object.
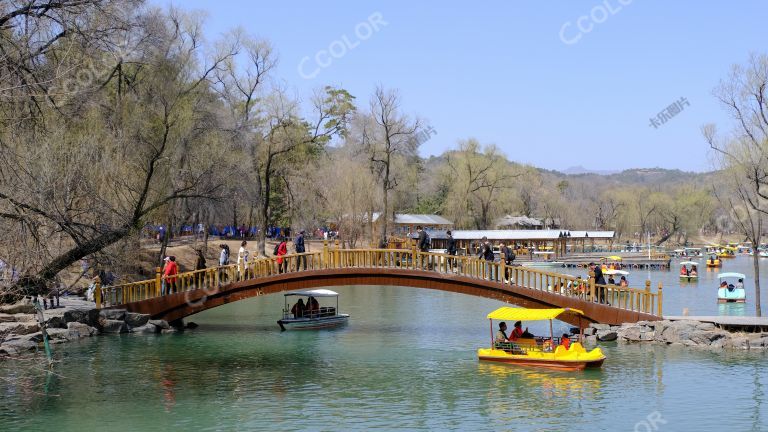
(170, 271)
(282, 263)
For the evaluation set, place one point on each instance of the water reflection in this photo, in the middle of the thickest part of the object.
(552, 384)
(734, 309)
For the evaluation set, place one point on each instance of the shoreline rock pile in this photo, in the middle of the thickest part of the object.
(20, 331)
(683, 332)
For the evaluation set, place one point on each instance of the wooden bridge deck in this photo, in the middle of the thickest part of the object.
(523, 286)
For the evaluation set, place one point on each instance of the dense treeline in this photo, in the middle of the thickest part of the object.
(114, 115)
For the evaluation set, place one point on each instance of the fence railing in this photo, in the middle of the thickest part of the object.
(633, 299)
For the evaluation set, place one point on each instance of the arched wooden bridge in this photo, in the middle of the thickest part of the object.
(528, 287)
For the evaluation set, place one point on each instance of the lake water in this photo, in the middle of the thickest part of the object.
(406, 361)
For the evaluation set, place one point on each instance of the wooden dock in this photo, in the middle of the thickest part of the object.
(737, 323)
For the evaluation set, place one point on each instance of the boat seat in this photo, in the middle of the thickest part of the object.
(577, 347)
(509, 347)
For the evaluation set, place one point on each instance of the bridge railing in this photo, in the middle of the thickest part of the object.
(634, 299)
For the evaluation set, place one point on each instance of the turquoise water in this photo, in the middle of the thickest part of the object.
(406, 361)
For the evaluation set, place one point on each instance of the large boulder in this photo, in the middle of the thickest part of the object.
(79, 330)
(635, 333)
(25, 317)
(19, 328)
(755, 341)
(607, 335)
(136, 319)
(146, 329)
(20, 345)
(113, 326)
(58, 334)
(705, 326)
(113, 314)
(737, 342)
(679, 332)
(76, 316)
(5, 318)
(598, 326)
(706, 337)
(8, 351)
(24, 306)
(162, 324)
(56, 322)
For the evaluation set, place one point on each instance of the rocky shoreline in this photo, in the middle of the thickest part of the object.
(20, 331)
(689, 333)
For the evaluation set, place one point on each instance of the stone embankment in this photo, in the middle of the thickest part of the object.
(20, 331)
(683, 332)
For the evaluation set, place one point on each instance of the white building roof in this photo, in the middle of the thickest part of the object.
(592, 234)
(507, 234)
(417, 219)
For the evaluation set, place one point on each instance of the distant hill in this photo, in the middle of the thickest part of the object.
(576, 170)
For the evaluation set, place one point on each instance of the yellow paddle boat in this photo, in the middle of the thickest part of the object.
(713, 262)
(727, 252)
(550, 353)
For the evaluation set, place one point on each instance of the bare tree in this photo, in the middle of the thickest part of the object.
(388, 137)
(94, 179)
(745, 151)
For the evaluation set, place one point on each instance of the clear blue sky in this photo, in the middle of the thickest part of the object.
(501, 71)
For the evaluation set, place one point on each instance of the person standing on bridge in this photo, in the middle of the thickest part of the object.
(170, 271)
(200, 264)
(422, 243)
(298, 243)
(223, 260)
(242, 258)
(599, 280)
(486, 253)
(282, 250)
(452, 250)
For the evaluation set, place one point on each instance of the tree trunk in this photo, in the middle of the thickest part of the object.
(234, 213)
(756, 265)
(166, 239)
(37, 284)
(265, 196)
(385, 212)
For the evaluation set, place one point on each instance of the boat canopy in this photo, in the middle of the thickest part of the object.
(731, 275)
(613, 258)
(523, 314)
(689, 263)
(615, 272)
(314, 293)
